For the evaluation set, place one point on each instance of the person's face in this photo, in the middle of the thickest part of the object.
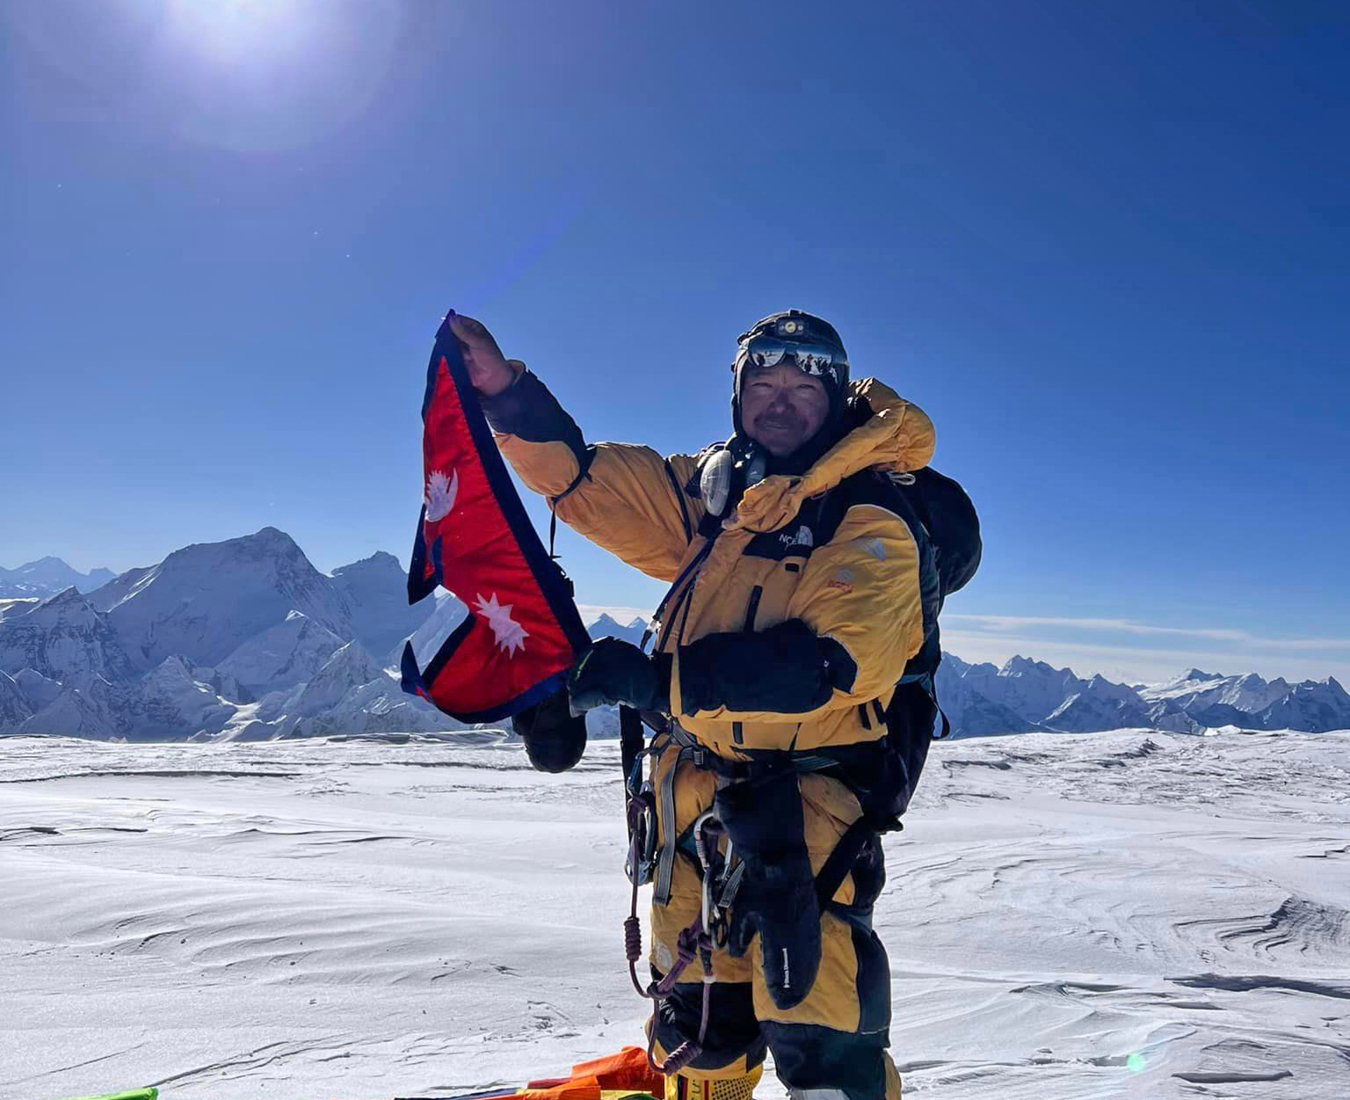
(781, 408)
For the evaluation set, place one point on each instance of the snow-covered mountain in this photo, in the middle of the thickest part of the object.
(983, 699)
(351, 694)
(1210, 699)
(607, 627)
(243, 638)
(283, 655)
(206, 600)
(968, 708)
(376, 591)
(48, 576)
(15, 706)
(61, 637)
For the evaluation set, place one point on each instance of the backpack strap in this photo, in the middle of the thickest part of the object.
(929, 683)
(841, 860)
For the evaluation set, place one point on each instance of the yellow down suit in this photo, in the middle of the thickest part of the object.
(825, 548)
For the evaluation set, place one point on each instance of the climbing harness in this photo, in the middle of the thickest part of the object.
(708, 931)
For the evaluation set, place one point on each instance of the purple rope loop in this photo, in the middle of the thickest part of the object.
(686, 952)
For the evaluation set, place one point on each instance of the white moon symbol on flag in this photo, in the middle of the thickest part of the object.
(440, 494)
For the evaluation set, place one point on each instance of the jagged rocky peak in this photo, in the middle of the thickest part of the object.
(46, 577)
(351, 662)
(606, 626)
(376, 591)
(40, 690)
(381, 563)
(349, 670)
(60, 637)
(1019, 665)
(954, 663)
(66, 598)
(268, 544)
(282, 655)
(15, 706)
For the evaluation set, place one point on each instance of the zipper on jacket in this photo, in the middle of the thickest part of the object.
(751, 611)
(738, 728)
(690, 572)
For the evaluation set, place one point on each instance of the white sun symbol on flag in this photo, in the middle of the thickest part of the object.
(509, 633)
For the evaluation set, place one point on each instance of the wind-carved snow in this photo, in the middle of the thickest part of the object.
(1120, 915)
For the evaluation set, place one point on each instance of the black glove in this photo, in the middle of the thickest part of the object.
(614, 671)
(777, 895)
(554, 739)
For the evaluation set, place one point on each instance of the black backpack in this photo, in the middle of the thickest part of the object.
(939, 507)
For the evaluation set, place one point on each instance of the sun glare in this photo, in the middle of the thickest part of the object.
(259, 75)
(243, 33)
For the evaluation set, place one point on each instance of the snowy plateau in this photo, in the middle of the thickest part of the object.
(1134, 914)
(247, 640)
(240, 863)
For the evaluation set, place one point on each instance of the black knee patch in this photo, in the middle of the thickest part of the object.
(810, 1057)
(733, 1030)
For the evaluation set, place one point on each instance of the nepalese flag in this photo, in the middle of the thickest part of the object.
(523, 632)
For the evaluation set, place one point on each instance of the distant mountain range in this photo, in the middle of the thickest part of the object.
(47, 577)
(245, 639)
(1026, 695)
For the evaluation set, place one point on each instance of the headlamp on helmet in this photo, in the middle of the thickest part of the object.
(812, 343)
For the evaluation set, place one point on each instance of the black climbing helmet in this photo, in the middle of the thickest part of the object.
(812, 343)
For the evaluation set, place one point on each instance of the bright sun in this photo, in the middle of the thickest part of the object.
(257, 75)
(244, 33)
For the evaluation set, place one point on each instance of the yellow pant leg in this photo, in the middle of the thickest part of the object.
(700, 1086)
(832, 1046)
(733, 1050)
(833, 1043)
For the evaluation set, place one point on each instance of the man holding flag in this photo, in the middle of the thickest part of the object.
(802, 592)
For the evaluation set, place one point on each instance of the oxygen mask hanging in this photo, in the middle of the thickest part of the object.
(728, 472)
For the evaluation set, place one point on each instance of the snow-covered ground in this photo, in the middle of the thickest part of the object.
(1129, 914)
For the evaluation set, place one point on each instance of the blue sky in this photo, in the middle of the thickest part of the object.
(1104, 246)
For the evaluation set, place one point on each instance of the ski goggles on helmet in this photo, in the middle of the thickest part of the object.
(811, 357)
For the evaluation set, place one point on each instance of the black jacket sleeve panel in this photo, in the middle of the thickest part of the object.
(786, 669)
(527, 409)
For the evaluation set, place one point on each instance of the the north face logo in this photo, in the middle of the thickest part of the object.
(799, 537)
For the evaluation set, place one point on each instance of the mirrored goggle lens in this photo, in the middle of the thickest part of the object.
(769, 351)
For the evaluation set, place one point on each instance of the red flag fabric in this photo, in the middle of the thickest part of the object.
(523, 631)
